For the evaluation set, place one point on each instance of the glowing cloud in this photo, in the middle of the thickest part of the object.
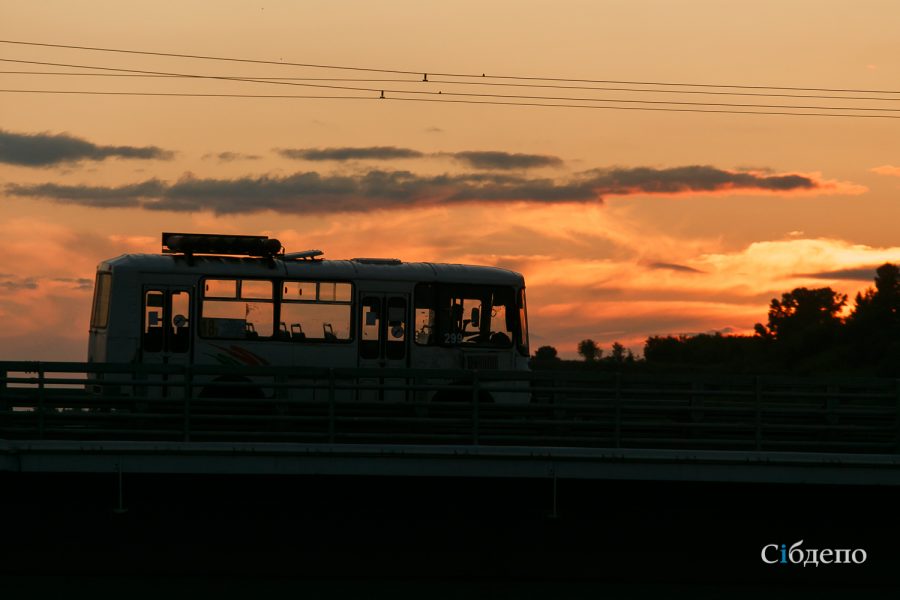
(888, 170)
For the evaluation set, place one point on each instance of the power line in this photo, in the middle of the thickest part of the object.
(454, 101)
(186, 94)
(502, 97)
(481, 83)
(220, 58)
(664, 91)
(353, 79)
(648, 108)
(438, 74)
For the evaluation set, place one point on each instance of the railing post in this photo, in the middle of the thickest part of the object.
(757, 400)
(897, 424)
(618, 413)
(3, 375)
(331, 407)
(475, 403)
(40, 399)
(188, 394)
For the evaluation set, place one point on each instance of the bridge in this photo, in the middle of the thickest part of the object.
(168, 418)
(562, 475)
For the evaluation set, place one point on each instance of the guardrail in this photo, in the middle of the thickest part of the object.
(79, 401)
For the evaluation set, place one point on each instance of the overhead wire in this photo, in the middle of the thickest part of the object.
(185, 94)
(136, 75)
(454, 101)
(500, 97)
(442, 74)
(483, 83)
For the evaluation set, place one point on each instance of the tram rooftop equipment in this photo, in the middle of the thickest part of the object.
(203, 243)
(260, 246)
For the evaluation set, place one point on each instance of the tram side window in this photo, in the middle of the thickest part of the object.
(179, 322)
(237, 309)
(370, 328)
(424, 314)
(154, 331)
(315, 311)
(102, 290)
(523, 325)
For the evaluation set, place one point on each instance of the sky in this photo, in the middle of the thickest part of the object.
(625, 223)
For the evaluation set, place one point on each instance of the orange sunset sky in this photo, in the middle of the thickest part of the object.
(625, 223)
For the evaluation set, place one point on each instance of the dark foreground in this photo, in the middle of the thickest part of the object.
(241, 536)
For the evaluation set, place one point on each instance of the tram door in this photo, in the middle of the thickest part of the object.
(384, 342)
(166, 331)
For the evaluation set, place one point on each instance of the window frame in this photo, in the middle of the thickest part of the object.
(238, 288)
(350, 303)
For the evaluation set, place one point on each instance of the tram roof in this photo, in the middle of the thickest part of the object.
(351, 270)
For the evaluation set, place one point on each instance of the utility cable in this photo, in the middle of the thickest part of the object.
(439, 74)
(485, 83)
(382, 91)
(456, 101)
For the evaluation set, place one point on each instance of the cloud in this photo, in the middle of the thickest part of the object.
(45, 150)
(79, 283)
(231, 156)
(506, 160)
(695, 178)
(674, 267)
(9, 283)
(122, 196)
(315, 193)
(888, 170)
(349, 153)
(850, 274)
(310, 192)
(487, 160)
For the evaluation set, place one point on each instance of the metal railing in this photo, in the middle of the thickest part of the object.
(79, 401)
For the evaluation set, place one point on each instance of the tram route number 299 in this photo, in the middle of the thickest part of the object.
(453, 338)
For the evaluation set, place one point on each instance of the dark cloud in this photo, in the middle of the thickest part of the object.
(434, 130)
(493, 160)
(506, 160)
(312, 192)
(674, 267)
(232, 156)
(854, 274)
(696, 178)
(79, 283)
(309, 192)
(370, 153)
(45, 150)
(13, 284)
(123, 196)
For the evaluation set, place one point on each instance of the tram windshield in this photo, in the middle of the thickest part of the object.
(466, 315)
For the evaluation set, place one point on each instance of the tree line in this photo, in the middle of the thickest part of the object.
(806, 332)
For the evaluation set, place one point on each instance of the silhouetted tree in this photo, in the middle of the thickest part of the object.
(589, 351)
(732, 353)
(883, 302)
(803, 312)
(873, 328)
(619, 354)
(802, 334)
(546, 353)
